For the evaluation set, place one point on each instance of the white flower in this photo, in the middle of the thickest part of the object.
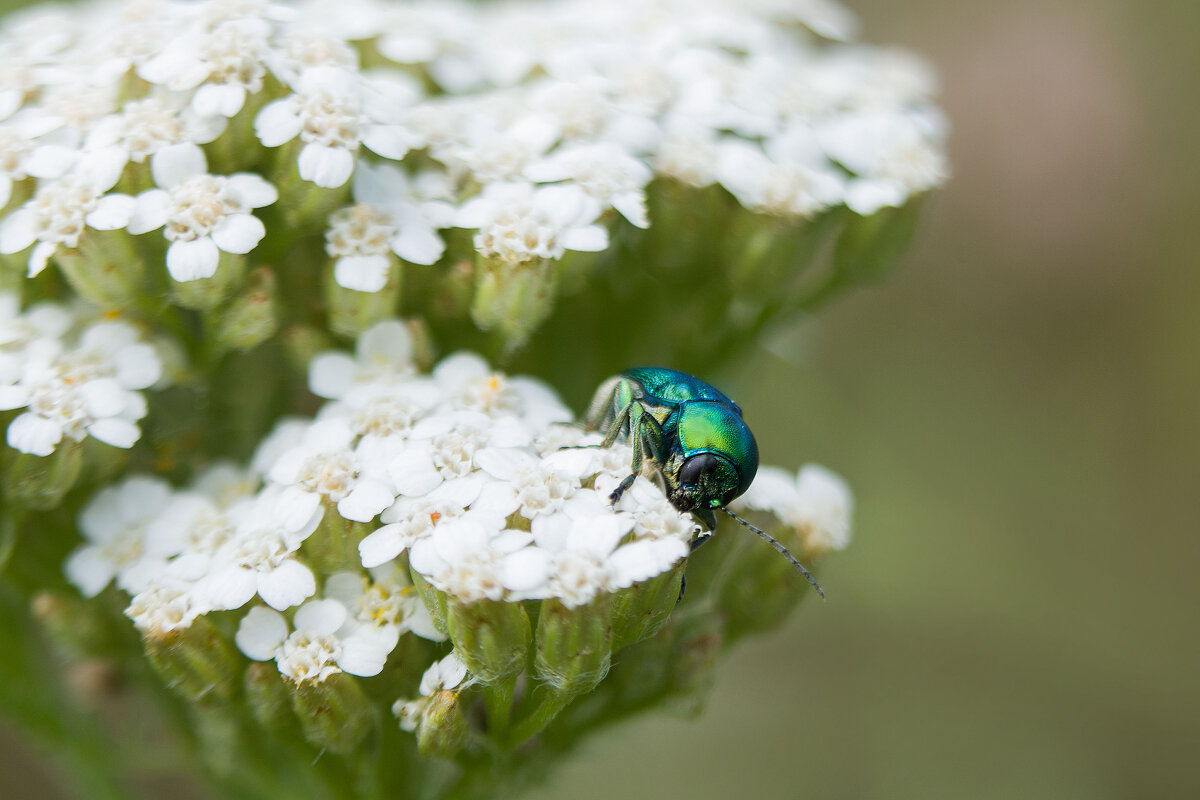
(165, 606)
(891, 155)
(114, 523)
(219, 66)
(203, 214)
(88, 390)
(59, 212)
(518, 222)
(260, 558)
(604, 171)
(444, 676)
(817, 503)
(383, 355)
(326, 640)
(333, 112)
(326, 464)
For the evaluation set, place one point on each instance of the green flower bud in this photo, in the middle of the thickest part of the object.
(198, 663)
(41, 482)
(442, 728)
(334, 714)
(206, 294)
(252, 317)
(513, 300)
(302, 343)
(351, 312)
(334, 544)
(107, 268)
(574, 645)
(491, 637)
(641, 610)
(78, 628)
(269, 697)
(435, 602)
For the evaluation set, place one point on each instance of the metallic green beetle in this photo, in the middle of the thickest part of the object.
(689, 437)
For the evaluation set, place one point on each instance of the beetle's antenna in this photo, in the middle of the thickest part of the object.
(775, 543)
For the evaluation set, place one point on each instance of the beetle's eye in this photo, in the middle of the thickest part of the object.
(694, 467)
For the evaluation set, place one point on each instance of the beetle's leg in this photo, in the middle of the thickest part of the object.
(614, 430)
(615, 497)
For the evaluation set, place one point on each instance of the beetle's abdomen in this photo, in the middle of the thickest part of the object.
(673, 386)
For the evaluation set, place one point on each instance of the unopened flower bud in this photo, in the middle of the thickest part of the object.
(514, 299)
(205, 294)
(196, 662)
(442, 728)
(351, 312)
(334, 713)
(252, 317)
(491, 637)
(269, 697)
(641, 610)
(41, 482)
(574, 645)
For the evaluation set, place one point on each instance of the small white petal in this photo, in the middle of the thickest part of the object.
(419, 245)
(321, 617)
(33, 434)
(588, 239)
(238, 233)
(327, 167)
(367, 500)
(150, 211)
(278, 123)
(289, 584)
(112, 212)
(362, 273)
(174, 164)
(190, 261)
(89, 570)
(260, 633)
(215, 99)
(40, 256)
(253, 190)
(18, 231)
(381, 546)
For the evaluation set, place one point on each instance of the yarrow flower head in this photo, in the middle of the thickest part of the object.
(72, 387)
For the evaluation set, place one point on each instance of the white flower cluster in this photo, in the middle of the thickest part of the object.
(472, 473)
(529, 121)
(815, 502)
(73, 379)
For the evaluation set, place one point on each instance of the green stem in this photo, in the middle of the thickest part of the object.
(497, 699)
(547, 708)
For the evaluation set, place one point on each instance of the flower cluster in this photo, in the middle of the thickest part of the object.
(473, 474)
(480, 485)
(72, 378)
(535, 126)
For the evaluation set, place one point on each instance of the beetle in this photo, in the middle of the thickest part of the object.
(691, 439)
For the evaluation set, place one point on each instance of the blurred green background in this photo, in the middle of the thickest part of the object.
(1016, 409)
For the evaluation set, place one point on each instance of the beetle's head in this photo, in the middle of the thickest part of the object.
(705, 480)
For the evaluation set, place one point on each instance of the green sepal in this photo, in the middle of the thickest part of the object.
(335, 714)
(41, 482)
(491, 637)
(198, 663)
(269, 697)
(869, 247)
(252, 316)
(574, 645)
(643, 609)
(513, 300)
(442, 731)
(351, 312)
(436, 602)
(207, 294)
